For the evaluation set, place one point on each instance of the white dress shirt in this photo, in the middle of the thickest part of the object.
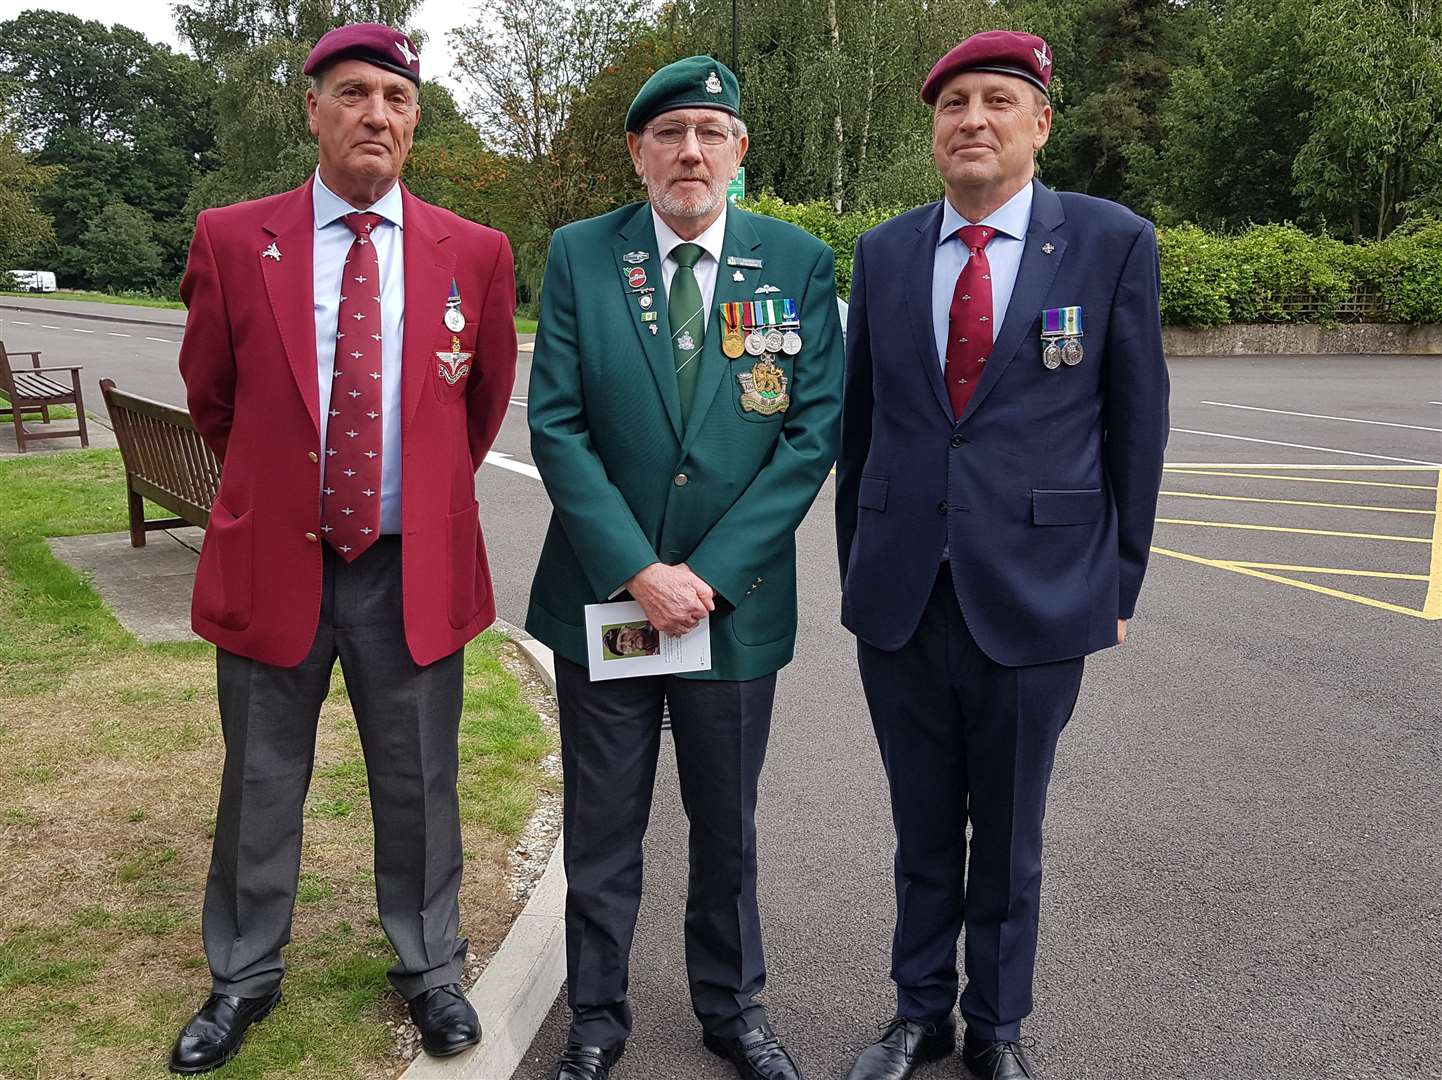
(1011, 221)
(332, 244)
(706, 267)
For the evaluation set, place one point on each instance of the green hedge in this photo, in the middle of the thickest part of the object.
(1269, 273)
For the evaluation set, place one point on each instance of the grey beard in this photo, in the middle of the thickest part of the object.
(670, 204)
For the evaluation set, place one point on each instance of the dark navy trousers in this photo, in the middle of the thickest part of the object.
(965, 741)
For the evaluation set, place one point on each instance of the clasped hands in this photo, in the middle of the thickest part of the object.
(673, 597)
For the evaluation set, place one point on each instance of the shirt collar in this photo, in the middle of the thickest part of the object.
(1013, 217)
(710, 240)
(330, 207)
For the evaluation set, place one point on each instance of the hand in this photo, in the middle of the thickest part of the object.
(1122, 631)
(669, 597)
(704, 592)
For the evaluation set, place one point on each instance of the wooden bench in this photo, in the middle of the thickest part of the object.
(166, 461)
(31, 390)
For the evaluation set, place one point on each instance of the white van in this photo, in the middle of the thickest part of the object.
(33, 280)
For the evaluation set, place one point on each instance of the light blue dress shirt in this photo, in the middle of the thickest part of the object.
(332, 244)
(1011, 221)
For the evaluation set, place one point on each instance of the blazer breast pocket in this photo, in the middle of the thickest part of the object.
(761, 387)
(451, 366)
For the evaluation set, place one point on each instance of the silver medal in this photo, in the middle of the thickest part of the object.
(773, 340)
(1051, 356)
(755, 343)
(1071, 352)
(791, 343)
(454, 320)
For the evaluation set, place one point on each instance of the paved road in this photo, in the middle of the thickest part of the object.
(1244, 864)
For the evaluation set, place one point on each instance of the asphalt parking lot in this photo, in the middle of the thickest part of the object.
(1244, 873)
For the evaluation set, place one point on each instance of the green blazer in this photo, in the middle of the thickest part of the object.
(629, 485)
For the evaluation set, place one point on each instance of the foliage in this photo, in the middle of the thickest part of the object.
(840, 231)
(25, 229)
(120, 249)
(1198, 279)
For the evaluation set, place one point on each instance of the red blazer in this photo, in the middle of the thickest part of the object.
(249, 365)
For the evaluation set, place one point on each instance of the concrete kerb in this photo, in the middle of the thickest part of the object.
(518, 987)
(173, 323)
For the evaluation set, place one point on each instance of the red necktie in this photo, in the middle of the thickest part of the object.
(969, 335)
(350, 509)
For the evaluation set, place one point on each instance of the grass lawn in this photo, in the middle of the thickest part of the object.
(523, 326)
(110, 755)
(32, 416)
(100, 298)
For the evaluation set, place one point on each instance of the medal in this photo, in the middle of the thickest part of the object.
(773, 340)
(1071, 352)
(791, 343)
(454, 320)
(1051, 356)
(755, 343)
(1061, 334)
(733, 342)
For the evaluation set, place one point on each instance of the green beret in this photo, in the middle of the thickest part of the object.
(698, 82)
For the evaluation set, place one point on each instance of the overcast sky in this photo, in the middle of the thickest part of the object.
(152, 18)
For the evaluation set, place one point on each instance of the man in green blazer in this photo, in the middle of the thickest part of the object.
(684, 409)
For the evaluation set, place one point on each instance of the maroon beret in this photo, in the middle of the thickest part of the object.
(1006, 52)
(371, 42)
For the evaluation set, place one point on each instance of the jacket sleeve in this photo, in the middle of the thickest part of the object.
(762, 520)
(603, 531)
(207, 356)
(1135, 412)
(488, 392)
(855, 415)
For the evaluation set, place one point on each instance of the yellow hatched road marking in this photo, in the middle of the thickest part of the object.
(1286, 529)
(1295, 502)
(1326, 570)
(1297, 479)
(1432, 606)
(1338, 594)
(1296, 465)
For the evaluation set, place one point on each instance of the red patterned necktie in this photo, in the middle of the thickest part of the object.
(350, 509)
(969, 332)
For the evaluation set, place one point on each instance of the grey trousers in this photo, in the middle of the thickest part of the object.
(610, 739)
(408, 717)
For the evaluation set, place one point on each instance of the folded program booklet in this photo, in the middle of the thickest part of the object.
(621, 644)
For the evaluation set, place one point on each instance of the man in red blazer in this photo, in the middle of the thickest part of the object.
(349, 355)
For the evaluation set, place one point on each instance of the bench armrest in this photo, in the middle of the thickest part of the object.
(33, 370)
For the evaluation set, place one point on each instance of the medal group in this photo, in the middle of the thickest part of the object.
(1061, 337)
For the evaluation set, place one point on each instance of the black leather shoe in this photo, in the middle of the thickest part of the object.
(588, 1062)
(904, 1044)
(991, 1060)
(446, 1020)
(757, 1054)
(214, 1034)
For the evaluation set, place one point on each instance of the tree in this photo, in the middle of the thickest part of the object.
(25, 229)
(1374, 154)
(120, 249)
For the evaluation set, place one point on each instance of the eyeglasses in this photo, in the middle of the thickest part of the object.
(673, 134)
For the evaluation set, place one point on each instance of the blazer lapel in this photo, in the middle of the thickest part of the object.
(918, 302)
(741, 240)
(639, 235)
(288, 273)
(430, 265)
(1033, 280)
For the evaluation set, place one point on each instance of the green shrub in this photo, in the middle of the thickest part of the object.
(1198, 279)
(1280, 268)
(837, 230)
(1408, 273)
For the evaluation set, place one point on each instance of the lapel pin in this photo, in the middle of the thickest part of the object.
(634, 257)
(271, 252)
(738, 276)
(767, 289)
(653, 328)
(1048, 248)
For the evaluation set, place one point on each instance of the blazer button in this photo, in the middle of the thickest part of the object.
(313, 456)
(941, 507)
(958, 440)
(681, 479)
(312, 537)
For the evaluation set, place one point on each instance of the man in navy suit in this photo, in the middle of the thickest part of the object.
(1002, 438)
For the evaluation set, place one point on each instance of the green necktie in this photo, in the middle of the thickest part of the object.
(688, 329)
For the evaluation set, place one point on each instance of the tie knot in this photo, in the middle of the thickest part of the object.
(362, 224)
(687, 255)
(975, 237)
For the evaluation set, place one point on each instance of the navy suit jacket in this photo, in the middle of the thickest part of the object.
(1046, 489)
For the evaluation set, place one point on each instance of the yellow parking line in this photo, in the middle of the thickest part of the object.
(1338, 594)
(1327, 570)
(1285, 529)
(1315, 465)
(1296, 502)
(1298, 479)
(1432, 606)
